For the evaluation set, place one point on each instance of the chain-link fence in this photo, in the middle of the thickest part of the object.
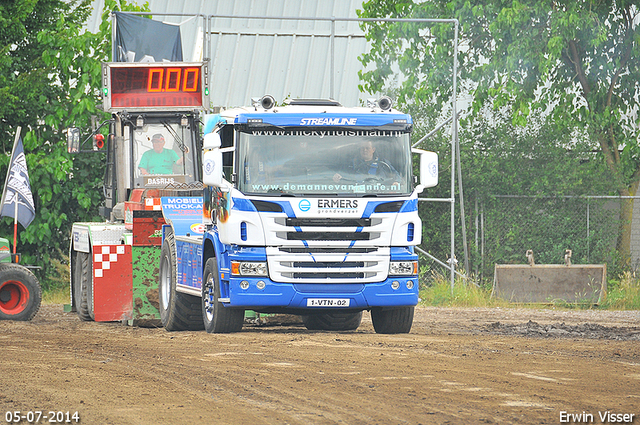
(508, 226)
(501, 229)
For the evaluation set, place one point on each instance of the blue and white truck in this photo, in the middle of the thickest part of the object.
(309, 208)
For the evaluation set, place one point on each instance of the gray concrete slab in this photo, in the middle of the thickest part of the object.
(544, 283)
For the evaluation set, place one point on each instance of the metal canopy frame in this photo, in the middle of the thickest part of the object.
(455, 147)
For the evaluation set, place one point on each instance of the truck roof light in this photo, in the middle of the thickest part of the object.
(385, 103)
(266, 102)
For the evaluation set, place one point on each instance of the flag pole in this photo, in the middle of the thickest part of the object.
(4, 192)
(15, 225)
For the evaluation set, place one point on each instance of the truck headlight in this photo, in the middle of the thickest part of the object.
(242, 268)
(403, 268)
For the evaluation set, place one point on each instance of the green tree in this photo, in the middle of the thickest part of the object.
(50, 80)
(576, 62)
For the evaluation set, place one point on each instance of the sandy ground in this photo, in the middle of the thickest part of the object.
(457, 366)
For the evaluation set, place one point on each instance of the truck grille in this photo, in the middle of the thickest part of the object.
(310, 250)
(345, 230)
(319, 250)
(328, 222)
(328, 275)
(328, 236)
(328, 265)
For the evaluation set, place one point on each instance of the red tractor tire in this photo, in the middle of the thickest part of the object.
(20, 293)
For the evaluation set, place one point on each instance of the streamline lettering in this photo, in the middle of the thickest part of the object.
(328, 121)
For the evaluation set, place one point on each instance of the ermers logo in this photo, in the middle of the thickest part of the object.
(304, 205)
(338, 203)
(328, 121)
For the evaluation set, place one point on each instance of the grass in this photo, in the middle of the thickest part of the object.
(56, 295)
(623, 294)
(55, 287)
(435, 290)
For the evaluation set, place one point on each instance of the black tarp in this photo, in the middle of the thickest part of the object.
(145, 40)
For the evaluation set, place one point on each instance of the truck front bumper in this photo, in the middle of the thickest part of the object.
(256, 293)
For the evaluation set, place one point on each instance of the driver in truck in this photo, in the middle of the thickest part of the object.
(158, 160)
(368, 163)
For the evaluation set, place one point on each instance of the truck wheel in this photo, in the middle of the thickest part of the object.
(178, 311)
(392, 321)
(333, 321)
(20, 293)
(217, 317)
(82, 286)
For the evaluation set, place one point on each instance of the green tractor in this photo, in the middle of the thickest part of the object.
(20, 291)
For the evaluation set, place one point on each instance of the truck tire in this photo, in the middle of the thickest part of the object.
(393, 320)
(20, 293)
(217, 317)
(178, 311)
(332, 321)
(82, 286)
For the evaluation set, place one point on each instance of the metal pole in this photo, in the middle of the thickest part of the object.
(482, 239)
(454, 136)
(463, 218)
(121, 160)
(113, 36)
(476, 231)
(333, 57)
(588, 229)
(432, 132)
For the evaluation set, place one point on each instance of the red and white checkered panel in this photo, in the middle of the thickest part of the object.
(154, 204)
(112, 283)
(105, 257)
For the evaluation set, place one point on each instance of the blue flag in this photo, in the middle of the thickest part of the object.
(17, 188)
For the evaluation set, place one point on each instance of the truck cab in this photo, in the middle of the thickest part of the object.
(310, 208)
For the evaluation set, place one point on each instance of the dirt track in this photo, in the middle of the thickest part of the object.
(457, 366)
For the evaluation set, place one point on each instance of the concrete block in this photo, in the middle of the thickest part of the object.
(543, 283)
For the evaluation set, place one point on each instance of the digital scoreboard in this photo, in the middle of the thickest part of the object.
(154, 86)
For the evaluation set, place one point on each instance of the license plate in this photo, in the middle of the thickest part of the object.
(328, 302)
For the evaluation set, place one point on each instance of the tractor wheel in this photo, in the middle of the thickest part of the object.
(20, 293)
(217, 317)
(83, 286)
(393, 320)
(333, 321)
(178, 311)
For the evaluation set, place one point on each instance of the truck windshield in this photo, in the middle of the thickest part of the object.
(162, 154)
(324, 161)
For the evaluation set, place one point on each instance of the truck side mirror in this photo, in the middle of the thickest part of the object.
(212, 174)
(73, 139)
(211, 141)
(428, 168)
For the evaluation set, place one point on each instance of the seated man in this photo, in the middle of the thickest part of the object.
(368, 163)
(158, 160)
